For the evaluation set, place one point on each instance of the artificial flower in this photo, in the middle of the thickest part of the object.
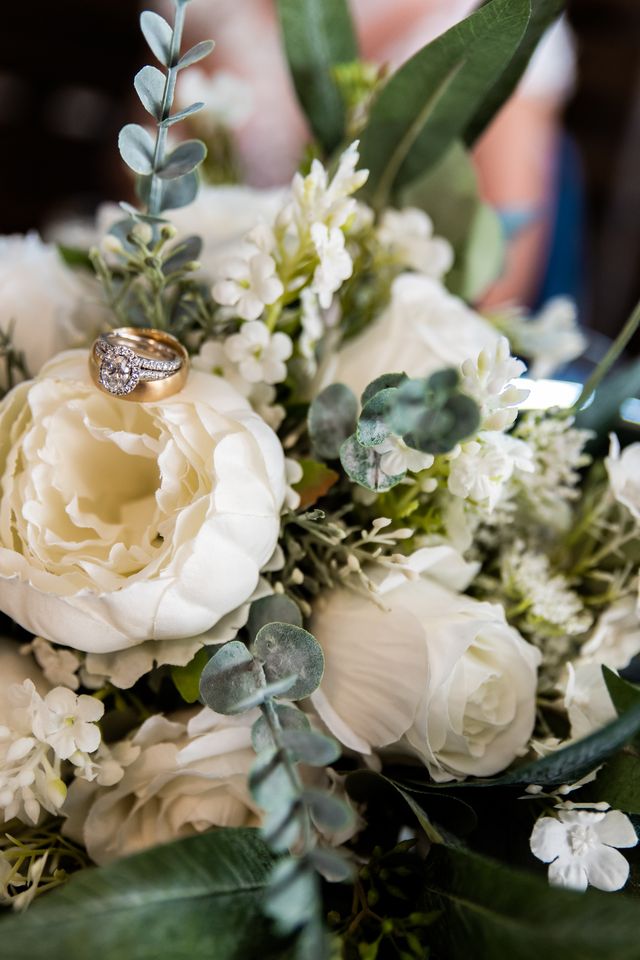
(623, 468)
(248, 285)
(125, 522)
(259, 354)
(586, 699)
(335, 264)
(408, 234)
(615, 640)
(580, 847)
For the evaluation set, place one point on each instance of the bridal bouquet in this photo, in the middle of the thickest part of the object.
(316, 623)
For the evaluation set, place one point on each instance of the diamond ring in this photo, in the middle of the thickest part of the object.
(139, 364)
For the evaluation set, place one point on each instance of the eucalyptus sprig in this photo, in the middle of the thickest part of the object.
(165, 180)
(284, 663)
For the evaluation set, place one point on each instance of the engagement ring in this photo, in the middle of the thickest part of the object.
(139, 364)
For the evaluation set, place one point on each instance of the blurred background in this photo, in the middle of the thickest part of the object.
(65, 90)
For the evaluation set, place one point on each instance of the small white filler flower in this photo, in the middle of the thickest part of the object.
(249, 285)
(260, 354)
(580, 846)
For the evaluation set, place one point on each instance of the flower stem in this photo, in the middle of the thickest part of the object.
(612, 354)
(155, 189)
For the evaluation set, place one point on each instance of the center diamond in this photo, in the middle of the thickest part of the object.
(119, 373)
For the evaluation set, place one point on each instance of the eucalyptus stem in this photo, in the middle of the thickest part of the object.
(612, 354)
(155, 189)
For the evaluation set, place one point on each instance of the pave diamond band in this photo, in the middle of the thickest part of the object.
(138, 363)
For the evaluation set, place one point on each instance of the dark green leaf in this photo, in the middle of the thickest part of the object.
(362, 465)
(275, 607)
(187, 678)
(183, 160)
(439, 429)
(372, 423)
(332, 418)
(136, 148)
(493, 912)
(408, 405)
(285, 649)
(196, 899)
(618, 784)
(311, 747)
(180, 192)
(381, 383)
(229, 678)
(318, 35)
(184, 252)
(290, 719)
(158, 34)
(196, 53)
(293, 896)
(543, 14)
(429, 101)
(149, 83)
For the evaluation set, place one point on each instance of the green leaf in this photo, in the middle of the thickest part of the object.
(136, 147)
(625, 695)
(270, 784)
(229, 678)
(492, 911)
(382, 383)
(266, 692)
(195, 899)
(372, 424)
(183, 114)
(362, 465)
(439, 429)
(180, 192)
(329, 812)
(187, 678)
(317, 479)
(271, 609)
(332, 418)
(286, 649)
(603, 413)
(332, 864)
(158, 34)
(293, 895)
(196, 53)
(290, 719)
(618, 784)
(311, 747)
(318, 35)
(449, 194)
(543, 14)
(183, 160)
(149, 84)
(428, 102)
(182, 253)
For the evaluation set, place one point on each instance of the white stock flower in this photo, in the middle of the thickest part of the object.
(227, 98)
(489, 381)
(397, 457)
(318, 199)
(580, 847)
(439, 672)
(586, 699)
(335, 262)
(259, 354)
(481, 468)
(180, 778)
(249, 285)
(124, 522)
(615, 640)
(408, 234)
(551, 339)
(423, 329)
(623, 468)
(43, 304)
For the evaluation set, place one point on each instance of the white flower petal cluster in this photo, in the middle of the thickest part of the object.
(481, 468)
(260, 355)
(44, 305)
(408, 235)
(181, 777)
(489, 381)
(423, 329)
(316, 198)
(39, 730)
(430, 671)
(623, 468)
(249, 285)
(580, 846)
(335, 264)
(587, 699)
(551, 339)
(397, 457)
(214, 358)
(123, 522)
(615, 640)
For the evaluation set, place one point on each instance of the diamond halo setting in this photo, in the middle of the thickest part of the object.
(119, 370)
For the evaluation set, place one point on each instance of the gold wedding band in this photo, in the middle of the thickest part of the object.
(138, 363)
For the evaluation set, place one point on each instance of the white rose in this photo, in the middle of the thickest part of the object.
(615, 640)
(423, 329)
(221, 216)
(127, 522)
(623, 468)
(42, 301)
(439, 671)
(180, 778)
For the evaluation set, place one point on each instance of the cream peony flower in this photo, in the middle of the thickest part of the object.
(424, 329)
(182, 778)
(623, 468)
(46, 306)
(125, 522)
(442, 673)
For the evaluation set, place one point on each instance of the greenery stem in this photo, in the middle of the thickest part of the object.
(272, 720)
(155, 190)
(612, 354)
